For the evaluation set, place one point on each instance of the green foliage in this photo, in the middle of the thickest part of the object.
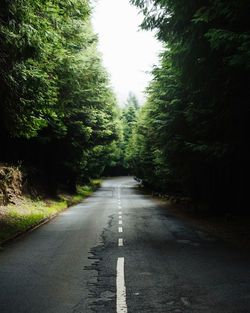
(128, 120)
(192, 135)
(56, 101)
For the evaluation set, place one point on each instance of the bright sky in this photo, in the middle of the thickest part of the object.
(128, 52)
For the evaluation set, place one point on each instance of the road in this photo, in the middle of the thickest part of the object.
(118, 251)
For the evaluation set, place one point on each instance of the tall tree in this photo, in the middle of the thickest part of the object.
(58, 113)
(128, 118)
(197, 102)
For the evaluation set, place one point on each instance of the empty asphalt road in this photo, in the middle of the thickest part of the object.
(120, 252)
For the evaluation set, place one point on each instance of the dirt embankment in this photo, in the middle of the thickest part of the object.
(25, 206)
(10, 185)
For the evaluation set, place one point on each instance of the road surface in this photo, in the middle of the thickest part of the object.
(119, 252)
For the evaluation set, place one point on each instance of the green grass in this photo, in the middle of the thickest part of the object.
(97, 181)
(29, 213)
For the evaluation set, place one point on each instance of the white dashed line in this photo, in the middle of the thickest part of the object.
(121, 305)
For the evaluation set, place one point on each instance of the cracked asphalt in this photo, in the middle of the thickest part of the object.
(69, 264)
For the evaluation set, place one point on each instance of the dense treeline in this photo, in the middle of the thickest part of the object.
(128, 114)
(58, 115)
(192, 136)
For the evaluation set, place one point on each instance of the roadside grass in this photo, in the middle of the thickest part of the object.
(28, 213)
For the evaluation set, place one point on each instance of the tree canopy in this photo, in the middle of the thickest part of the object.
(192, 135)
(58, 112)
(59, 115)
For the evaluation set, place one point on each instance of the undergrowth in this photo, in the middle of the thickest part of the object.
(28, 213)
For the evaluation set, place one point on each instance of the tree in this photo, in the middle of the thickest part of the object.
(132, 101)
(128, 120)
(197, 103)
(58, 113)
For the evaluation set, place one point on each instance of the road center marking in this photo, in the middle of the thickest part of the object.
(120, 217)
(120, 229)
(120, 212)
(120, 222)
(121, 305)
(120, 242)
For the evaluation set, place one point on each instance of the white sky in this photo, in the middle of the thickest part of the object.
(128, 53)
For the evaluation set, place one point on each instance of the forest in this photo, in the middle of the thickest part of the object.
(192, 136)
(61, 124)
(59, 117)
